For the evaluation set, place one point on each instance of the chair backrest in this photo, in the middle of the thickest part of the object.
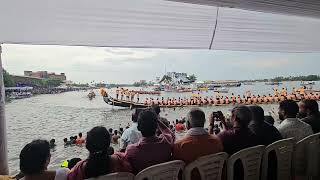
(115, 176)
(165, 171)
(210, 166)
(251, 161)
(284, 151)
(307, 156)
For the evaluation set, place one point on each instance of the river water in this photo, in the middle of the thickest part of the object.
(64, 115)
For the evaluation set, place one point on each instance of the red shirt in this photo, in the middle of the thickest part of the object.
(150, 151)
(180, 127)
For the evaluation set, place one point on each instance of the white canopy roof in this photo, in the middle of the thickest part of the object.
(309, 8)
(154, 24)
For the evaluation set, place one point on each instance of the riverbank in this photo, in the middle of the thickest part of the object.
(13, 93)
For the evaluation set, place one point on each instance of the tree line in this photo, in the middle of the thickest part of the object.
(297, 78)
(8, 81)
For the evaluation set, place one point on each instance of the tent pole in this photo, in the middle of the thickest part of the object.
(3, 128)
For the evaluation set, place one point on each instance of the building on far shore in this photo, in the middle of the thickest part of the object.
(178, 77)
(46, 75)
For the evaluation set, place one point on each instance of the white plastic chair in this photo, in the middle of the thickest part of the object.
(165, 171)
(210, 167)
(284, 152)
(306, 160)
(251, 161)
(115, 176)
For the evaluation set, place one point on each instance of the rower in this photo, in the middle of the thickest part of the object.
(122, 93)
(117, 92)
(128, 94)
(283, 92)
(137, 97)
(276, 92)
(248, 93)
(233, 98)
(132, 93)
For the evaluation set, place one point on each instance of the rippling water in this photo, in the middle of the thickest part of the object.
(64, 115)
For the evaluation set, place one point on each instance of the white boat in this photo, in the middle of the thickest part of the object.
(306, 83)
(273, 83)
(248, 83)
(20, 95)
(18, 92)
(221, 90)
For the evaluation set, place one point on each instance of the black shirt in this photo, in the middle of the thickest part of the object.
(265, 133)
(314, 121)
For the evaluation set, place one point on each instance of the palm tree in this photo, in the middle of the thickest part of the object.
(166, 79)
(192, 78)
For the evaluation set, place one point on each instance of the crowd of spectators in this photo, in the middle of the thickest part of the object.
(150, 140)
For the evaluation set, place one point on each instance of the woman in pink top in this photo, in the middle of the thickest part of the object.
(99, 162)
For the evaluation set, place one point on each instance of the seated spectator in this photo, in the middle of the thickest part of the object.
(34, 160)
(80, 140)
(52, 143)
(265, 132)
(150, 149)
(269, 120)
(290, 125)
(99, 162)
(131, 135)
(197, 142)
(240, 136)
(157, 110)
(309, 110)
(115, 137)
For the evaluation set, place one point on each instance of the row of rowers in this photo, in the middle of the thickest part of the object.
(198, 100)
(283, 91)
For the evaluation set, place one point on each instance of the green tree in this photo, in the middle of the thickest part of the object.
(166, 79)
(7, 79)
(192, 78)
(52, 82)
(297, 78)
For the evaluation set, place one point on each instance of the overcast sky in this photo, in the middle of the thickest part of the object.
(118, 65)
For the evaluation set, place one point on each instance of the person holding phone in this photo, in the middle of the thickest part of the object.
(239, 136)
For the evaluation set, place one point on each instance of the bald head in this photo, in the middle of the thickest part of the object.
(196, 118)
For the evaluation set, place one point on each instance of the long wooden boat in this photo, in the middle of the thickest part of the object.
(148, 92)
(132, 105)
(127, 104)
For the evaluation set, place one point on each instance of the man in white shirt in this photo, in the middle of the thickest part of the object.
(132, 134)
(291, 126)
